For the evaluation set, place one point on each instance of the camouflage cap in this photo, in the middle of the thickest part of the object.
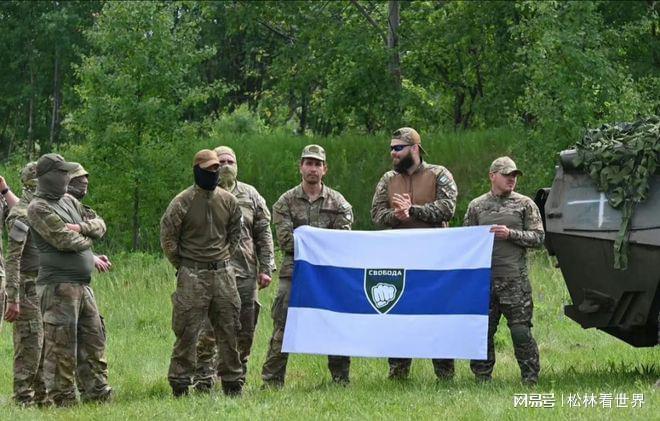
(206, 158)
(313, 151)
(29, 172)
(52, 161)
(222, 150)
(409, 136)
(505, 166)
(78, 171)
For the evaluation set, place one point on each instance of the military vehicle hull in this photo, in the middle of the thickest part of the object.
(581, 228)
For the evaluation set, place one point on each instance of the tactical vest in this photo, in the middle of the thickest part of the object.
(63, 266)
(421, 186)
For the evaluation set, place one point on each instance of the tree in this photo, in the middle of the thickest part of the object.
(136, 85)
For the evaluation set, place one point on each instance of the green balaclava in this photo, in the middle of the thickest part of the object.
(52, 176)
(227, 173)
(29, 180)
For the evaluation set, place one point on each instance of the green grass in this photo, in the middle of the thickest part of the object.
(135, 299)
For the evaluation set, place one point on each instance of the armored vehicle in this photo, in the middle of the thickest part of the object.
(581, 228)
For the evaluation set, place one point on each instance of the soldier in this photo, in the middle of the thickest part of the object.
(63, 232)
(253, 264)
(309, 203)
(78, 188)
(22, 302)
(199, 231)
(517, 226)
(414, 195)
(7, 200)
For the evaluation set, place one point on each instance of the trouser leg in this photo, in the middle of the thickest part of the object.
(206, 357)
(483, 369)
(224, 314)
(28, 335)
(274, 368)
(190, 303)
(399, 367)
(92, 362)
(60, 305)
(443, 368)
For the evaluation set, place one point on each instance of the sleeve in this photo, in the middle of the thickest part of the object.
(93, 225)
(442, 209)
(283, 225)
(18, 233)
(170, 230)
(235, 224)
(53, 229)
(344, 219)
(263, 238)
(381, 213)
(532, 234)
(471, 217)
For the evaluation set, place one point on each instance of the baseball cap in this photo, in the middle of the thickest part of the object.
(78, 171)
(409, 136)
(505, 166)
(222, 150)
(206, 158)
(313, 151)
(52, 161)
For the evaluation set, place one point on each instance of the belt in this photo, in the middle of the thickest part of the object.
(30, 273)
(218, 264)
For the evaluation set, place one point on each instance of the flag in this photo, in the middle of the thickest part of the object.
(421, 293)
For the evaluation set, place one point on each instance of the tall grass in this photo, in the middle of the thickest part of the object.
(270, 163)
(135, 300)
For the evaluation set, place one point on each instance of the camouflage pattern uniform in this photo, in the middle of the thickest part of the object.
(511, 292)
(70, 314)
(293, 209)
(199, 231)
(4, 210)
(433, 194)
(253, 255)
(22, 267)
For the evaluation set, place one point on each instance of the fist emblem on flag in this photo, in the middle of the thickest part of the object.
(383, 294)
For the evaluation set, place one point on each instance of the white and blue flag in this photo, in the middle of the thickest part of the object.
(419, 293)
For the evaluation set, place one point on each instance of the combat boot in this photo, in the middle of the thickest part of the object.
(232, 389)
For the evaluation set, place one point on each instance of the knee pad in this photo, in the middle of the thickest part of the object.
(520, 334)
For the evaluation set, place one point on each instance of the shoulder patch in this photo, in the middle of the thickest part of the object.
(19, 231)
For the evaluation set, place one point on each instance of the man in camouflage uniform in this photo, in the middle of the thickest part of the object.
(414, 194)
(315, 204)
(517, 226)
(199, 231)
(7, 200)
(253, 263)
(63, 233)
(23, 309)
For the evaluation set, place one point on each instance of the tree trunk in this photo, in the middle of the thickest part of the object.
(303, 114)
(55, 118)
(30, 129)
(393, 20)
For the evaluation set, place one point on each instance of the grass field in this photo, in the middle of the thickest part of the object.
(134, 298)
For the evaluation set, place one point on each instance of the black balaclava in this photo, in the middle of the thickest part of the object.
(53, 184)
(404, 164)
(77, 188)
(205, 179)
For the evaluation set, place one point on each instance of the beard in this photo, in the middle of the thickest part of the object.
(404, 164)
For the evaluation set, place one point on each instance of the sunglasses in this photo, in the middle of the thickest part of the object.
(398, 148)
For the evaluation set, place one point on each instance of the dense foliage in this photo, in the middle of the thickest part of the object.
(129, 87)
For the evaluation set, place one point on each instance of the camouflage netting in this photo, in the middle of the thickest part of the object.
(621, 159)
